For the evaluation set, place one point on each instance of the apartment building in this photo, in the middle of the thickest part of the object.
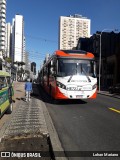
(18, 39)
(27, 62)
(24, 56)
(71, 28)
(2, 27)
(8, 40)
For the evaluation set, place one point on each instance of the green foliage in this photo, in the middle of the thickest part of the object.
(8, 59)
(19, 63)
(27, 71)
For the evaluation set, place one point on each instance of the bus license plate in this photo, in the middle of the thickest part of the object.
(79, 96)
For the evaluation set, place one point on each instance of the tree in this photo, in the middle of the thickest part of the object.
(21, 70)
(8, 59)
(22, 63)
(27, 71)
(19, 63)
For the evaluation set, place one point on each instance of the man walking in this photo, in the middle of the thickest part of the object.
(28, 89)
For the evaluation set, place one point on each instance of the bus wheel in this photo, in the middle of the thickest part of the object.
(10, 109)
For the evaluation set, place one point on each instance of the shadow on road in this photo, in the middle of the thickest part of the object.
(18, 90)
(45, 97)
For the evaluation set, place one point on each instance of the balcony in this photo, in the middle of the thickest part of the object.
(2, 47)
(3, 1)
(2, 39)
(2, 29)
(2, 24)
(3, 10)
(2, 15)
(2, 33)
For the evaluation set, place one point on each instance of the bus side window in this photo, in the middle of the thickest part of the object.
(45, 71)
(3, 82)
(49, 65)
(53, 67)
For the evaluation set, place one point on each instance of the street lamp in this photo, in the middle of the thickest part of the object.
(100, 55)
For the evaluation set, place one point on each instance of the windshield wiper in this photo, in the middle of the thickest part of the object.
(82, 69)
(71, 76)
(85, 73)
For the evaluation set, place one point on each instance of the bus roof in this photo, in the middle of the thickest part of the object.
(3, 73)
(74, 53)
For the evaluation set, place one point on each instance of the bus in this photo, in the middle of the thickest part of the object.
(6, 93)
(69, 74)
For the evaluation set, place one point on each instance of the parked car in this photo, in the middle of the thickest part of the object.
(115, 88)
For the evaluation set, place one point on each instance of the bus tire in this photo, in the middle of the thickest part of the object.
(10, 109)
(10, 100)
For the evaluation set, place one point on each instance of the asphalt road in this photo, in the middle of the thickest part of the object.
(87, 125)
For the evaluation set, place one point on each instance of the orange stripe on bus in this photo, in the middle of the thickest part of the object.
(94, 95)
(59, 95)
(61, 53)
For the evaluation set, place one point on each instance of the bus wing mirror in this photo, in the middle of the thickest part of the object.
(53, 63)
(52, 71)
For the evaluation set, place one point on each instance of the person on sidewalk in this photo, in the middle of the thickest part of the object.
(28, 89)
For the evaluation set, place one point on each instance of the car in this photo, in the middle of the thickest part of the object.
(6, 93)
(115, 88)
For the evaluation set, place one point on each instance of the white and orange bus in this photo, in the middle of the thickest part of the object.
(70, 74)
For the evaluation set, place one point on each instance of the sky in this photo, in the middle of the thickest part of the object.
(41, 19)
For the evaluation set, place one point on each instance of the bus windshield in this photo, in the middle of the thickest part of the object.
(68, 67)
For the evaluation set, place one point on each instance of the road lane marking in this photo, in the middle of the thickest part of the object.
(115, 110)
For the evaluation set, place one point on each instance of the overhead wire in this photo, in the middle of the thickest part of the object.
(36, 54)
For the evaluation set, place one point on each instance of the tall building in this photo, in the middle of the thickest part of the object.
(24, 53)
(71, 29)
(2, 27)
(18, 39)
(27, 62)
(109, 45)
(8, 39)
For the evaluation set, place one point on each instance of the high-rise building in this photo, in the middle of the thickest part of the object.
(71, 28)
(27, 62)
(2, 27)
(8, 39)
(18, 39)
(24, 53)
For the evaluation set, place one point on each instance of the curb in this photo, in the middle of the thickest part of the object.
(55, 142)
(110, 95)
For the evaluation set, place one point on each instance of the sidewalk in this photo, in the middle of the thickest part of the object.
(18, 93)
(115, 95)
(26, 130)
(30, 128)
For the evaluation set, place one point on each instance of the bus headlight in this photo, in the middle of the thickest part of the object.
(59, 84)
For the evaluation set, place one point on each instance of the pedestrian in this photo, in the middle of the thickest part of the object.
(28, 89)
